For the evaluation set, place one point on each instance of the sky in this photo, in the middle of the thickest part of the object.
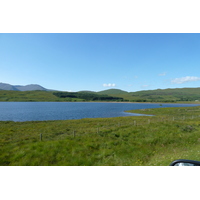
(100, 61)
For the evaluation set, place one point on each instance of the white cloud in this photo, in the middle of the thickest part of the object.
(144, 86)
(185, 79)
(109, 85)
(163, 74)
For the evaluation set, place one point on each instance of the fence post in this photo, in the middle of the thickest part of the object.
(149, 121)
(74, 133)
(135, 123)
(40, 136)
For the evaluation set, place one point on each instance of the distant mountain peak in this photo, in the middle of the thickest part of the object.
(6, 86)
(30, 87)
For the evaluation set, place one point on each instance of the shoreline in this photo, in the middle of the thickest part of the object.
(195, 103)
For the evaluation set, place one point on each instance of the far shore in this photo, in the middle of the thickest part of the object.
(193, 102)
(131, 102)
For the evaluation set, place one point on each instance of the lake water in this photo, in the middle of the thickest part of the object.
(41, 111)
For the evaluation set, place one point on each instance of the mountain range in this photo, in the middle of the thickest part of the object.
(31, 87)
(159, 95)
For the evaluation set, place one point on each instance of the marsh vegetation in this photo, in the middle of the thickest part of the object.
(170, 134)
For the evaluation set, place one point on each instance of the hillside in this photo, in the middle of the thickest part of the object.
(52, 96)
(23, 96)
(34, 92)
(167, 95)
(113, 92)
(159, 95)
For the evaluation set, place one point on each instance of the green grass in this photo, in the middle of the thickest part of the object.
(172, 133)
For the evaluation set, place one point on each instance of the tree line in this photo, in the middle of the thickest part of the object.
(87, 96)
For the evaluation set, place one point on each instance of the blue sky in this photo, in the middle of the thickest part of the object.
(98, 61)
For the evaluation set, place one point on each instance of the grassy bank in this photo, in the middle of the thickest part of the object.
(170, 134)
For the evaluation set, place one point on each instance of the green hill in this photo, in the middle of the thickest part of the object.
(11, 95)
(159, 95)
(166, 95)
(112, 91)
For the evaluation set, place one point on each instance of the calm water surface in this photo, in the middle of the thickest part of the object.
(40, 111)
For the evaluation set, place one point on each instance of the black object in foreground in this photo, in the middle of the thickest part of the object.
(182, 162)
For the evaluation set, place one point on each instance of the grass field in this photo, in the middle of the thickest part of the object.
(172, 133)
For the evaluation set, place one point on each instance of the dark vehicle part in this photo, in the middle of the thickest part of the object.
(182, 162)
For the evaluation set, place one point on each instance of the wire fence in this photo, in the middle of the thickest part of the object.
(99, 129)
